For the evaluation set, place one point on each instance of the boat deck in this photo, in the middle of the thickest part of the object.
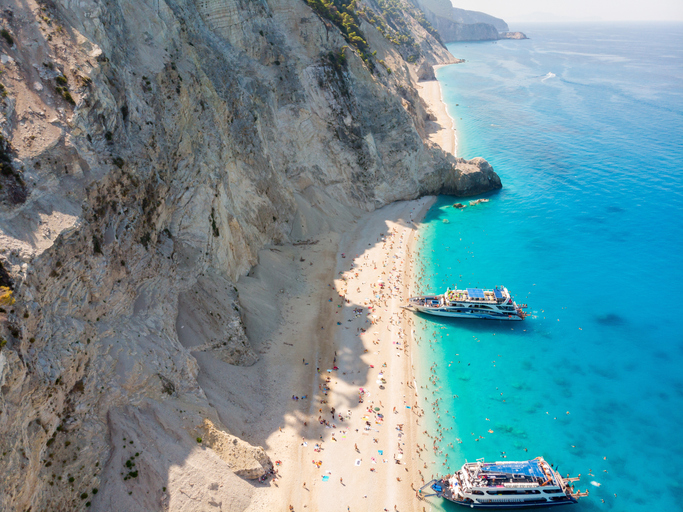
(477, 295)
(498, 473)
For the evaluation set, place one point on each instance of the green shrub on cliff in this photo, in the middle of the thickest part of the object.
(7, 36)
(342, 13)
(392, 23)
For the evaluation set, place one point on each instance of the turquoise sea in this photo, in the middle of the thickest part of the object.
(584, 124)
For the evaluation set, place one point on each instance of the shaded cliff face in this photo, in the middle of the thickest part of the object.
(150, 150)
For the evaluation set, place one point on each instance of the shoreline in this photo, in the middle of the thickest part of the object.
(442, 129)
(343, 339)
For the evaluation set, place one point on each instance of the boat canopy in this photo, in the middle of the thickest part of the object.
(528, 468)
(498, 293)
(475, 293)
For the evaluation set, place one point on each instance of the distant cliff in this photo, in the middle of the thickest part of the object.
(451, 31)
(473, 17)
(456, 24)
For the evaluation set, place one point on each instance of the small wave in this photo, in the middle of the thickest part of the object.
(549, 75)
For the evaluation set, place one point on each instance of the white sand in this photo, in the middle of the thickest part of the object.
(315, 329)
(442, 130)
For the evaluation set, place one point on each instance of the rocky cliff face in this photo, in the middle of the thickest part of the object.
(149, 150)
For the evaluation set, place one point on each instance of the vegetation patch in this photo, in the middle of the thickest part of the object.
(216, 233)
(7, 36)
(15, 187)
(6, 297)
(391, 23)
(145, 239)
(97, 247)
(336, 60)
(5, 158)
(5, 279)
(130, 464)
(63, 91)
(342, 13)
(166, 385)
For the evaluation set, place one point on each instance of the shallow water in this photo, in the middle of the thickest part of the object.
(584, 125)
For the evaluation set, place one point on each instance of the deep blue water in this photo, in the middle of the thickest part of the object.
(584, 125)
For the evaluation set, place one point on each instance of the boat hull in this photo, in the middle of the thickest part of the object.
(506, 506)
(469, 314)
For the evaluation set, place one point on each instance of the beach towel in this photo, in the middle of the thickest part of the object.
(357, 462)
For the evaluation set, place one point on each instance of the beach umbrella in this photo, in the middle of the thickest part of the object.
(377, 408)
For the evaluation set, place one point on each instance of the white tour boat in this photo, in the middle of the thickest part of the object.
(496, 304)
(504, 485)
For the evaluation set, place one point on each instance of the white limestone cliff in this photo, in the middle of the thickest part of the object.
(153, 148)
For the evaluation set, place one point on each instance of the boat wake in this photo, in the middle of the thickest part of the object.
(549, 75)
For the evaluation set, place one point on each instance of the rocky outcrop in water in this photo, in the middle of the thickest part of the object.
(474, 177)
(149, 151)
(512, 35)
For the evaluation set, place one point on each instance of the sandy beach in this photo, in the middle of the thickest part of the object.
(340, 421)
(441, 130)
